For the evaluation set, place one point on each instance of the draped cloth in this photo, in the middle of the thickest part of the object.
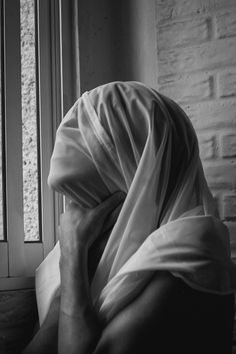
(126, 136)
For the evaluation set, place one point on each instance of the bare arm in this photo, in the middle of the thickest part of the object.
(168, 316)
(74, 270)
(79, 327)
(138, 327)
(80, 331)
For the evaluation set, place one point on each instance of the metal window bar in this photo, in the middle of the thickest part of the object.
(4, 265)
(2, 122)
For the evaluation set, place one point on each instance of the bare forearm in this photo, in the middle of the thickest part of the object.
(79, 328)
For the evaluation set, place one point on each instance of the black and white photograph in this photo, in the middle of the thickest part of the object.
(117, 176)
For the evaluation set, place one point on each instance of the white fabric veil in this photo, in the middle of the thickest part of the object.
(126, 136)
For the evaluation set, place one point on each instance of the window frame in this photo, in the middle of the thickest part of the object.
(19, 259)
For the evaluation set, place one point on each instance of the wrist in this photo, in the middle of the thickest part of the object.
(73, 270)
(71, 258)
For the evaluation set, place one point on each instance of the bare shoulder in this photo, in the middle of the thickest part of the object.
(135, 323)
(168, 314)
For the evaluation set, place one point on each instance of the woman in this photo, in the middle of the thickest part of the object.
(144, 260)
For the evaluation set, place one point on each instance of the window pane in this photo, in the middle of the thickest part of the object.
(1, 163)
(29, 122)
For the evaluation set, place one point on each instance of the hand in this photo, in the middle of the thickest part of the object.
(80, 227)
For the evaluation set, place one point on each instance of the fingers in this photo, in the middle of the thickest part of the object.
(71, 205)
(110, 204)
(84, 226)
(111, 220)
(106, 206)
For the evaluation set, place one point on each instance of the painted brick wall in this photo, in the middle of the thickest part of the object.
(196, 46)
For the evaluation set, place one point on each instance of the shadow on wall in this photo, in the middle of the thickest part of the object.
(117, 42)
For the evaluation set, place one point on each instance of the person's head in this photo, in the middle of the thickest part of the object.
(117, 133)
(124, 136)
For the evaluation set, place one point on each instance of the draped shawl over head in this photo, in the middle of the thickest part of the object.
(126, 136)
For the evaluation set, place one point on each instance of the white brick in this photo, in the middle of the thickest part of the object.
(228, 145)
(229, 206)
(221, 175)
(170, 9)
(215, 115)
(207, 146)
(226, 24)
(187, 88)
(183, 33)
(210, 55)
(227, 83)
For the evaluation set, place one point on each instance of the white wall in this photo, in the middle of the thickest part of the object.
(196, 43)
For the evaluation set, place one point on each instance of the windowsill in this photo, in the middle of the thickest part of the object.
(16, 283)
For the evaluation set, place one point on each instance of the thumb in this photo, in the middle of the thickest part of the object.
(111, 203)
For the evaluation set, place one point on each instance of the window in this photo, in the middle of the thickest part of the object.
(30, 110)
(30, 128)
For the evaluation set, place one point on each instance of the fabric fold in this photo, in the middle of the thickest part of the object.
(126, 136)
